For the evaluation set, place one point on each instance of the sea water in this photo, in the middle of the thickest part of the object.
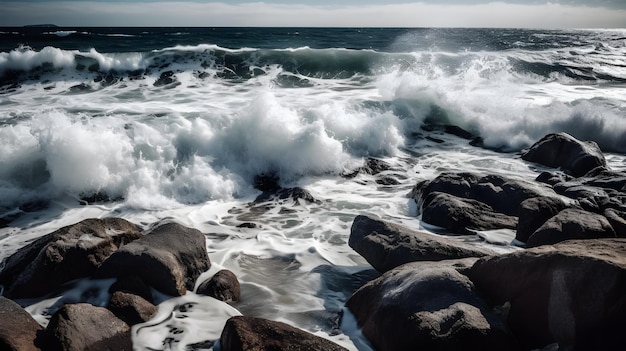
(159, 124)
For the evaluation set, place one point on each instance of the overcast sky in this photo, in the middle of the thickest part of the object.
(328, 13)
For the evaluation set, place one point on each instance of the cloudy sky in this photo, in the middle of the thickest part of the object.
(329, 13)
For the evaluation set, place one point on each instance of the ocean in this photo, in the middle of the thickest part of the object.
(154, 124)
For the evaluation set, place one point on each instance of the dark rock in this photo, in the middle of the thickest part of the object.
(372, 166)
(571, 293)
(387, 181)
(590, 198)
(534, 212)
(500, 193)
(427, 306)
(247, 225)
(435, 140)
(86, 327)
(169, 258)
(267, 182)
(133, 285)
(462, 201)
(130, 308)
(386, 245)
(458, 131)
(553, 178)
(18, 330)
(166, 78)
(294, 194)
(458, 214)
(563, 151)
(571, 224)
(617, 219)
(223, 286)
(255, 334)
(69, 253)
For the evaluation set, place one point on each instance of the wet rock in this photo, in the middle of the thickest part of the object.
(169, 258)
(69, 253)
(474, 201)
(130, 308)
(372, 166)
(295, 194)
(571, 293)
(553, 178)
(223, 286)
(427, 306)
(458, 131)
(256, 334)
(18, 330)
(617, 219)
(534, 212)
(385, 245)
(86, 327)
(563, 151)
(267, 182)
(133, 285)
(166, 78)
(571, 224)
(460, 215)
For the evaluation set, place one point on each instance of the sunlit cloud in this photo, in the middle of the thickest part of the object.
(496, 14)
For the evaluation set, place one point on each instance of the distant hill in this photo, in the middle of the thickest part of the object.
(47, 25)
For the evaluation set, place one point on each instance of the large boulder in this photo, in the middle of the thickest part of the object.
(18, 330)
(569, 224)
(563, 151)
(571, 293)
(534, 212)
(85, 327)
(427, 306)
(169, 258)
(256, 334)
(461, 216)
(72, 252)
(462, 201)
(131, 308)
(386, 245)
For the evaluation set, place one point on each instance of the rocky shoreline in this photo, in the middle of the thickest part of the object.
(565, 288)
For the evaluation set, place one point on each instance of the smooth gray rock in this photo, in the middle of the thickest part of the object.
(243, 333)
(570, 224)
(427, 306)
(385, 245)
(561, 150)
(169, 258)
(18, 330)
(72, 252)
(571, 293)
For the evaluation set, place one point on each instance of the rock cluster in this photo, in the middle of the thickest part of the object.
(565, 289)
(168, 258)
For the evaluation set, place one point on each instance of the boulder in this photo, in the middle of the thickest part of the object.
(563, 151)
(18, 330)
(617, 219)
(223, 286)
(72, 252)
(169, 258)
(571, 293)
(462, 201)
(569, 224)
(85, 327)
(459, 215)
(133, 285)
(534, 212)
(385, 245)
(256, 334)
(427, 306)
(502, 194)
(130, 308)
